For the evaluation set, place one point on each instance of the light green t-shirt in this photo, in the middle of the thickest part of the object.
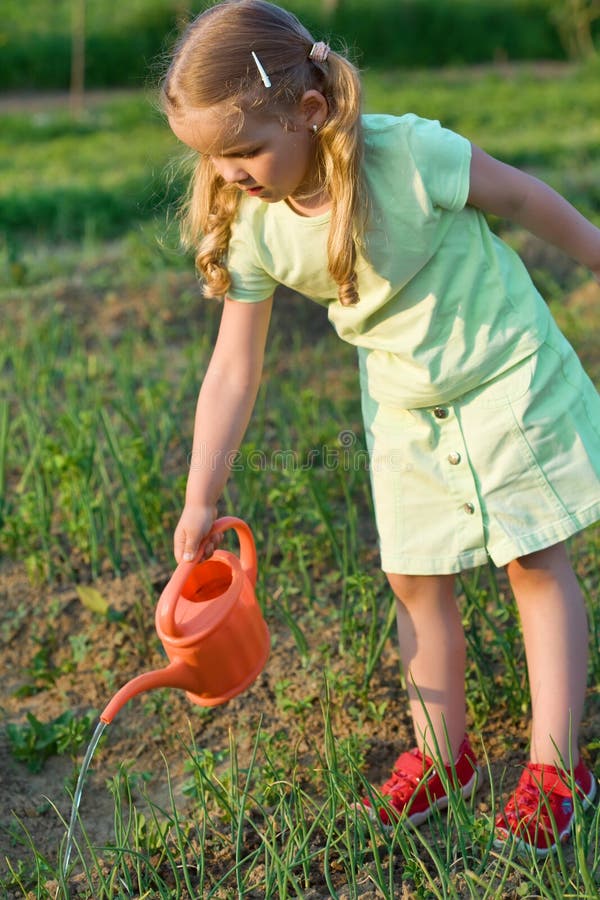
(444, 304)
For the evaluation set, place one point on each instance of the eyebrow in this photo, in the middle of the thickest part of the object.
(241, 148)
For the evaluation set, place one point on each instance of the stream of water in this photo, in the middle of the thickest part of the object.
(87, 759)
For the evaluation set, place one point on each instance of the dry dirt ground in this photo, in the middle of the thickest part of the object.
(149, 737)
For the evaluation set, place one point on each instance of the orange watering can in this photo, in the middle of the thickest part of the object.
(211, 627)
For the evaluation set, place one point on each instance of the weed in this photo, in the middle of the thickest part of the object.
(34, 742)
(42, 672)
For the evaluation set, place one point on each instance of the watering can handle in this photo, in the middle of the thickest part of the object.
(248, 559)
(170, 595)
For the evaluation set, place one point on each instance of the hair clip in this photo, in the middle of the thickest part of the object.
(319, 52)
(265, 78)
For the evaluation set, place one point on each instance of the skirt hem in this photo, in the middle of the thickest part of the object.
(523, 546)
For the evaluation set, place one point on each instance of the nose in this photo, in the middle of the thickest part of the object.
(230, 170)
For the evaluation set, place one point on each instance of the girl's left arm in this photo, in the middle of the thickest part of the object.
(512, 194)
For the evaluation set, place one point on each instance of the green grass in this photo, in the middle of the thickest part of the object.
(103, 345)
(70, 178)
(260, 832)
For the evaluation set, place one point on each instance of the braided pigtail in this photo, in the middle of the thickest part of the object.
(206, 219)
(341, 152)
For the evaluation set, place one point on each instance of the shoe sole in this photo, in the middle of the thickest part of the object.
(416, 819)
(524, 849)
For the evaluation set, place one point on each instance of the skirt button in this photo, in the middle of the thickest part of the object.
(440, 413)
(454, 458)
(469, 508)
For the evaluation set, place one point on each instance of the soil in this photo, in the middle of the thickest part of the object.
(149, 734)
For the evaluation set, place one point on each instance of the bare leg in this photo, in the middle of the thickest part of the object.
(555, 632)
(432, 649)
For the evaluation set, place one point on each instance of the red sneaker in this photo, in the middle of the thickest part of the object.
(415, 788)
(541, 811)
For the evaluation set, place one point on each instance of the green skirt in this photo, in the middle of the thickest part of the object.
(507, 469)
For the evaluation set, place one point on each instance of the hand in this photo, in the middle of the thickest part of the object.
(190, 538)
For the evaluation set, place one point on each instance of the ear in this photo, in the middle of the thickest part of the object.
(313, 108)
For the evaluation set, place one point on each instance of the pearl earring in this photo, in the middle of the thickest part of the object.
(315, 128)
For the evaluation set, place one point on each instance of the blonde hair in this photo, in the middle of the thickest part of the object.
(212, 63)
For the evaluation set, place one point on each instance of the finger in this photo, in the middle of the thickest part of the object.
(191, 549)
(190, 552)
(207, 548)
(213, 540)
(178, 546)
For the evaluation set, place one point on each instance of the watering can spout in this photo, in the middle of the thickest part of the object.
(177, 675)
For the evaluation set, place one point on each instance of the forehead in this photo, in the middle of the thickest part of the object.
(218, 129)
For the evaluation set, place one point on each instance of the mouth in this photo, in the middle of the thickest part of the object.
(254, 190)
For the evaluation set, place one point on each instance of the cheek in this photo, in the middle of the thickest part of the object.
(277, 167)
(298, 155)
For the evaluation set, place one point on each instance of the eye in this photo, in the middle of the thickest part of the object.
(248, 154)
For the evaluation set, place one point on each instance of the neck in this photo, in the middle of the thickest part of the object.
(311, 197)
(310, 204)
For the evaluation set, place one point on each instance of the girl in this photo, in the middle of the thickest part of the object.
(483, 431)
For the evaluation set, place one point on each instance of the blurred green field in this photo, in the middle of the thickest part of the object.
(126, 40)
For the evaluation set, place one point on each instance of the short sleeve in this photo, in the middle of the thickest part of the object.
(443, 160)
(250, 281)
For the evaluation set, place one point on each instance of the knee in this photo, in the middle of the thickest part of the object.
(410, 589)
(538, 569)
(405, 587)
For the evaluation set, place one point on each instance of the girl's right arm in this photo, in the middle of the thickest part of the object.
(498, 188)
(224, 407)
